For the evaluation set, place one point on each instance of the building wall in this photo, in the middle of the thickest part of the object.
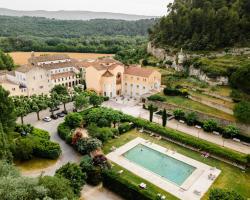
(93, 79)
(135, 86)
(38, 81)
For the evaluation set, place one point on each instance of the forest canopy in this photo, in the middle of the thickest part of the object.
(203, 25)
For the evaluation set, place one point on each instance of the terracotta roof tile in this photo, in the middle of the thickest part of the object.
(138, 71)
(44, 58)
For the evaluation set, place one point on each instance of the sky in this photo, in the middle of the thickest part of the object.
(140, 7)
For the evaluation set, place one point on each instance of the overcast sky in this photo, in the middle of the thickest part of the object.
(140, 7)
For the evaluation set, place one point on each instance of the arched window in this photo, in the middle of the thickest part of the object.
(118, 78)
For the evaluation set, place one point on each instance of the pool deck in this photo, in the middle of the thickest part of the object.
(193, 188)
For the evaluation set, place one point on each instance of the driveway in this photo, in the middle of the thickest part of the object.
(138, 111)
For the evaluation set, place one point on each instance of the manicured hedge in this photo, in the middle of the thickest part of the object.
(124, 127)
(47, 149)
(64, 131)
(125, 189)
(192, 141)
(40, 133)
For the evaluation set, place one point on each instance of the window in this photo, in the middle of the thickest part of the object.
(41, 87)
(55, 81)
(131, 85)
(34, 77)
(126, 84)
(13, 89)
(137, 86)
(144, 88)
(138, 79)
(41, 76)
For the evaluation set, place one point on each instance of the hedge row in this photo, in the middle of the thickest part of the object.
(64, 131)
(124, 188)
(47, 149)
(190, 140)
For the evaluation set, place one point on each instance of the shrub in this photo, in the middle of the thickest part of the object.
(156, 97)
(24, 128)
(64, 131)
(191, 118)
(103, 134)
(74, 174)
(242, 112)
(57, 187)
(230, 131)
(175, 92)
(73, 120)
(87, 145)
(105, 98)
(219, 194)
(210, 125)
(41, 133)
(124, 188)
(24, 149)
(179, 114)
(103, 123)
(94, 174)
(46, 149)
(124, 127)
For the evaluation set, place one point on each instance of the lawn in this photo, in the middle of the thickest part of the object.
(21, 58)
(230, 178)
(189, 104)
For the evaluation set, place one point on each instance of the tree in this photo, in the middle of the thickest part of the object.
(24, 149)
(60, 90)
(65, 99)
(74, 120)
(38, 105)
(164, 117)
(95, 100)
(191, 118)
(240, 79)
(87, 145)
(74, 174)
(53, 102)
(242, 111)
(81, 101)
(57, 186)
(5, 153)
(179, 114)
(210, 125)
(151, 109)
(230, 131)
(8, 115)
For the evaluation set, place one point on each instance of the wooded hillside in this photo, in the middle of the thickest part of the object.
(204, 25)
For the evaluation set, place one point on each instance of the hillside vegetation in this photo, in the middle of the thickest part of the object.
(93, 36)
(204, 25)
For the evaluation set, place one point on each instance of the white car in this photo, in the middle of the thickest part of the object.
(47, 119)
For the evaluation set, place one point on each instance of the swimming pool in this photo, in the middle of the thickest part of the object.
(165, 166)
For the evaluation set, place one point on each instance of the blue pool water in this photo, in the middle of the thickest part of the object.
(173, 170)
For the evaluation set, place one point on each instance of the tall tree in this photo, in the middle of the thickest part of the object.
(164, 117)
(7, 115)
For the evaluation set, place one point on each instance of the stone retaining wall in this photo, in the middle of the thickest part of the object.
(202, 116)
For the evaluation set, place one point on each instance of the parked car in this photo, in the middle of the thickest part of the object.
(65, 112)
(60, 114)
(54, 116)
(47, 119)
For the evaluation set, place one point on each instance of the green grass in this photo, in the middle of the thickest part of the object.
(189, 104)
(230, 178)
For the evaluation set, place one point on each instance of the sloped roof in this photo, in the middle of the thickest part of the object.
(107, 74)
(138, 71)
(44, 58)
